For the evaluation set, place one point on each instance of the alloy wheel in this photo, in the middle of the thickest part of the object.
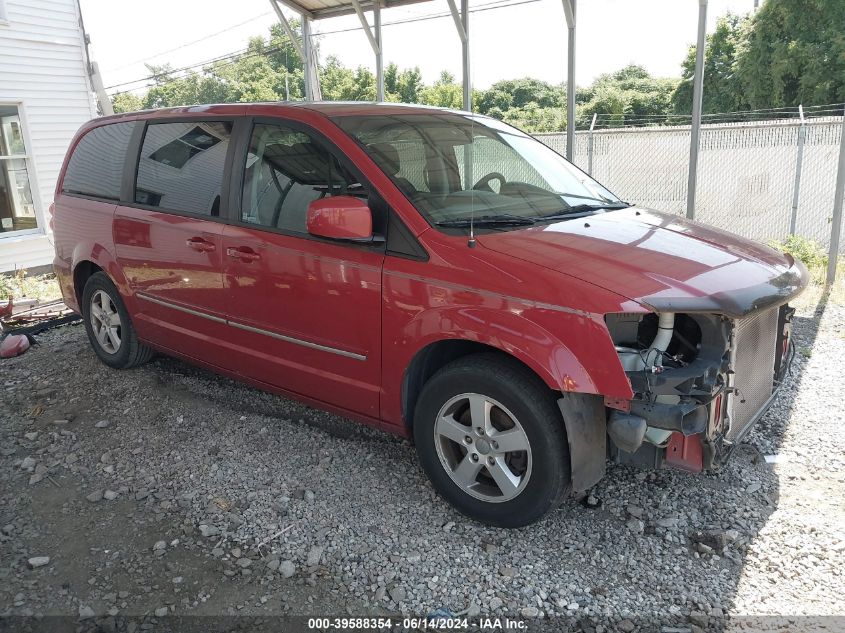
(105, 322)
(483, 447)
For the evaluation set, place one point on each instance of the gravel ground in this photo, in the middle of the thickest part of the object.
(168, 490)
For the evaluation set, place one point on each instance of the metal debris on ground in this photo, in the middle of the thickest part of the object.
(21, 320)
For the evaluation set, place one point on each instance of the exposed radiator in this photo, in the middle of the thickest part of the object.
(755, 340)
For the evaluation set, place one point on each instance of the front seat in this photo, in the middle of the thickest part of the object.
(387, 156)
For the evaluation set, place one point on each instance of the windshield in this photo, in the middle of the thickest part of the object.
(454, 167)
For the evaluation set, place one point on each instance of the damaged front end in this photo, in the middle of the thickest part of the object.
(700, 382)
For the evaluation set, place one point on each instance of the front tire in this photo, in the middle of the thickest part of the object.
(491, 440)
(108, 325)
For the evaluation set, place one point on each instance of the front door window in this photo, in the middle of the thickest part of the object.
(286, 170)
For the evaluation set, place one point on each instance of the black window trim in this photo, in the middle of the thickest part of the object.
(231, 191)
(239, 176)
(133, 161)
(94, 198)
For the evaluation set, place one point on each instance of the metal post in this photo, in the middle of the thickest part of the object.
(569, 10)
(836, 227)
(379, 51)
(465, 56)
(697, 94)
(462, 25)
(308, 59)
(287, 28)
(796, 189)
(102, 98)
(375, 42)
(590, 145)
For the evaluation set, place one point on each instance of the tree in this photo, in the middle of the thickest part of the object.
(628, 93)
(520, 93)
(723, 87)
(409, 85)
(444, 93)
(795, 54)
(339, 83)
(126, 102)
(391, 79)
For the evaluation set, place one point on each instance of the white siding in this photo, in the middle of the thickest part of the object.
(42, 71)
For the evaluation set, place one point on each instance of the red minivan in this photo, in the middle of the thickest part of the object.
(438, 274)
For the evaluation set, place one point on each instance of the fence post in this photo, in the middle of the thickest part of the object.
(836, 227)
(697, 92)
(802, 134)
(590, 145)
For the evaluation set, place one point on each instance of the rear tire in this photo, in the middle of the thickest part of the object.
(491, 439)
(108, 325)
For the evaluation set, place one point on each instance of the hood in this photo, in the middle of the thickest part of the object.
(666, 263)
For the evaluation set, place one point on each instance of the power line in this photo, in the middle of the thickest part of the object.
(183, 68)
(496, 4)
(191, 43)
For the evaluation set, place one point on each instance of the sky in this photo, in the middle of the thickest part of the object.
(527, 39)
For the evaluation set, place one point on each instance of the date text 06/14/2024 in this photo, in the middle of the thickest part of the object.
(416, 624)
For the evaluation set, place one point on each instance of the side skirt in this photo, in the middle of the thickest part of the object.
(393, 429)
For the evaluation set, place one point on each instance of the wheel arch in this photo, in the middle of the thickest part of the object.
(82, 272)
(90, 258)
(436, 355)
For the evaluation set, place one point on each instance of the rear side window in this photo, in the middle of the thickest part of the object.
(96, 166)
(181, 166)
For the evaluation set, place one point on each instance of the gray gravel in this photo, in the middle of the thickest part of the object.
(167, 489)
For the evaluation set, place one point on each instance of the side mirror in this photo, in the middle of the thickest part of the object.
(340, 218)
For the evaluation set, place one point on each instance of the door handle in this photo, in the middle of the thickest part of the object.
(244, 253)
(199, 244)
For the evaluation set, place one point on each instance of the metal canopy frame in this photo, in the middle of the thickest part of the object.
(310, 10)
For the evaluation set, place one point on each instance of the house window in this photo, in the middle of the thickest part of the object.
(17, 210)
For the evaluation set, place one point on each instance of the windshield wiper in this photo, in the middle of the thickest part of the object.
(487, 220)
(580, 210)
(597, 207)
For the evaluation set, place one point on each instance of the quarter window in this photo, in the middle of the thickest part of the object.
(96, 165)
(17, 209)
(181, 166)
(285, 171)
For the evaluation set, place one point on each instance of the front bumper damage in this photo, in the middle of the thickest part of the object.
(701, 406)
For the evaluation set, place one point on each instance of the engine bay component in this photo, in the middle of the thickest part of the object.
(626, 430)
(700, 381)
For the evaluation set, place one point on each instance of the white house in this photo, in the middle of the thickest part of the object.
(45, 95)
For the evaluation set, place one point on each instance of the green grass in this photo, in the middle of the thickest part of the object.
(815, 259)
(19, 285)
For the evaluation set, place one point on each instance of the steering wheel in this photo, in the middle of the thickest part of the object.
(484, 183)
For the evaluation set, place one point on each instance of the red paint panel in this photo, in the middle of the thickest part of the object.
(685, 452)
(340, 218)
(315, 292)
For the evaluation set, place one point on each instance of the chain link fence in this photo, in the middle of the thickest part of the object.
(746, 173)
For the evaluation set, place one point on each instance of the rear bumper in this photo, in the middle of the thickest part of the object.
(64, 275)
